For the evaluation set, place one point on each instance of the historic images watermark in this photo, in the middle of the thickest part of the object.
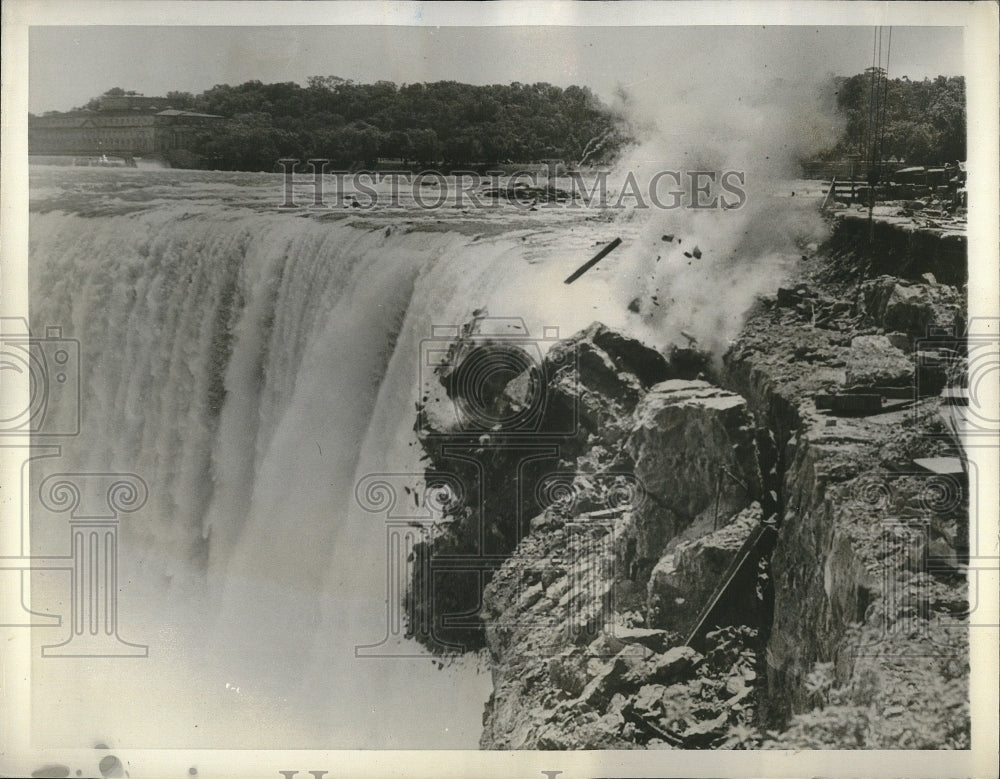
(665, 190)
(41, 407)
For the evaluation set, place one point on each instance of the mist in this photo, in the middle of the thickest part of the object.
(699, 269)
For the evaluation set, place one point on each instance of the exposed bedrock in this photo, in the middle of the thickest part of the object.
(916, 309)
(693, 450)
(681, 559)
(869, 588)
(900, 247)
(576, 660)
(684, 579)
(644, 456)
(553, 432)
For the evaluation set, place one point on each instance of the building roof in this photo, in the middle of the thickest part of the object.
(176, 112)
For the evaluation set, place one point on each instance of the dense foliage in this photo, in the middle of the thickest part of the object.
(463, 125)
(921, 122)
(442, 122)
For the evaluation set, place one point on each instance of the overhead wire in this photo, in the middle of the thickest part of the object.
(874, 142)
(885, 101)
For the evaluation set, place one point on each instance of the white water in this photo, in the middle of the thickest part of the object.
(252, 573)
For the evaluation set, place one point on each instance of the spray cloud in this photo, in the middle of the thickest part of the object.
(700, 269)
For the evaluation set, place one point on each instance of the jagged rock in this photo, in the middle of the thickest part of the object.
(901, 341)
(582, 394)
(874, 362)
(582, 733)
(624, 672)
(685, 578)
(912, 308)
(739, 686)
(648, 702)
(705, 731)
(693, 448)
(789, 298)
(602, 375)
(625, 354)
(569, 673)
(656, 640)
(826, 573)
(547, 520)
(675, 664)
(694, 452)
(689, 362)
(941, 549)
(605, 646)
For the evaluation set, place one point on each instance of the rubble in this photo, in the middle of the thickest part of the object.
(666, 620)
(684, 578)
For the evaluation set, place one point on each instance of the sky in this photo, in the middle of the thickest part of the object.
(69, 65)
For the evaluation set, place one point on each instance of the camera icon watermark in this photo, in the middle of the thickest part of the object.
(41, 381)
(497, 376)
(491, 427)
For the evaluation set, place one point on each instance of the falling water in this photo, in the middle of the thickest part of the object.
(251, 365)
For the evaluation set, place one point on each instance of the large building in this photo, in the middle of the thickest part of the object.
(126, 126)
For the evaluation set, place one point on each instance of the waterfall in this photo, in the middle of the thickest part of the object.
(251, 366)
(236, 361)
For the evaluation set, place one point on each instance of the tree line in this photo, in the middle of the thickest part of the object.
(921, 122)
(444, 122)
(458, 125)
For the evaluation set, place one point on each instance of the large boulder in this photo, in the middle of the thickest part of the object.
(874, 362)
(694, 456)
(685, 578)
(601, 374)
(898, 305)
(693, 448)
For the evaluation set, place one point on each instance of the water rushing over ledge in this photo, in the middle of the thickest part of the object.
(252, 366)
